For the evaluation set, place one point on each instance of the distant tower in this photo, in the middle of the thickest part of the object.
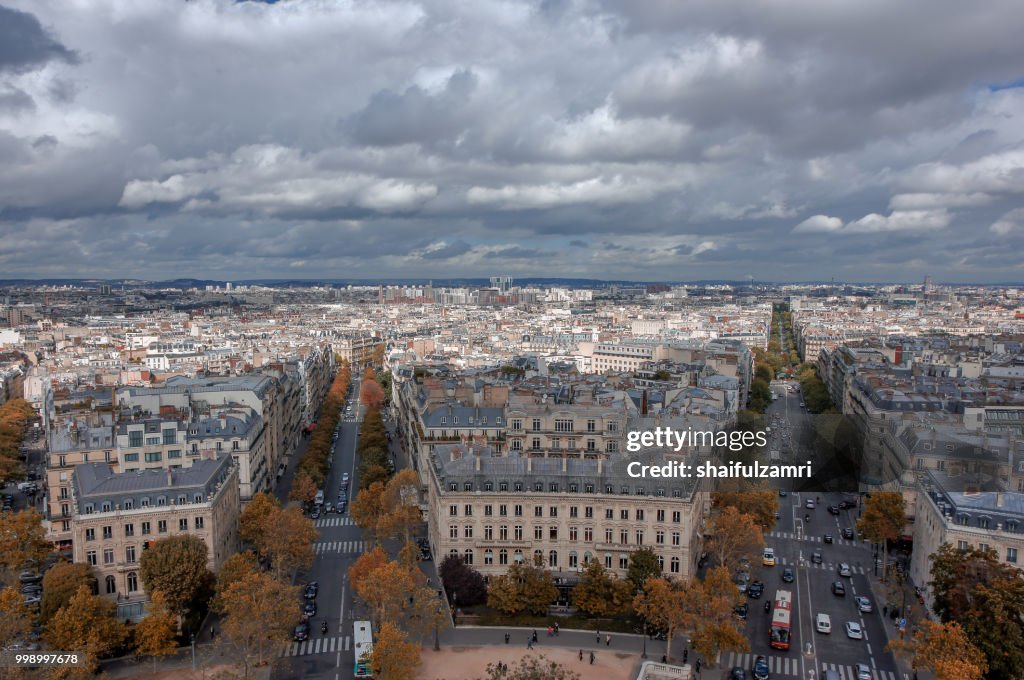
(502, 283)
(927, 287)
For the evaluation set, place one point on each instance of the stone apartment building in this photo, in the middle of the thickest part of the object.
(538, 426)
(493, 511)
(116, 516)
(72, 443)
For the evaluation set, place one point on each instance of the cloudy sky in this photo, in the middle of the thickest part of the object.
(868, 140)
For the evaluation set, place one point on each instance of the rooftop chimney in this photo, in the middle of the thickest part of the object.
(999, 499)
(170, 477)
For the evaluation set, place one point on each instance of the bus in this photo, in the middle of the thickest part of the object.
(782, 620)
(362, 637)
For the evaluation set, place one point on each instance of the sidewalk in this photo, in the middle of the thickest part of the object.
(914, 613)
(210, 658)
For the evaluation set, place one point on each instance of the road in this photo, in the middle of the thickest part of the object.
(795, 540)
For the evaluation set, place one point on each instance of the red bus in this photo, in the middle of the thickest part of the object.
(781, 629)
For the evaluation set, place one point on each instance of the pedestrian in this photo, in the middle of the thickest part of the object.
(213, 632)
(506, 638)
(607, 640)
(698, 665)
(597, 637)
(556, 628)
(664, 659)
(529, 643)
(885, 610)
(534, 636)
(581, 655)
(686, 653)
(550, 633)
(591, 658)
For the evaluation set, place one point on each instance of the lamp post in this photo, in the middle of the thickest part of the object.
(644, 654)
(193, 651)
(437, 618)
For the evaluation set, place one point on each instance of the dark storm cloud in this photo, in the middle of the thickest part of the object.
(24, 43)
(605, 138)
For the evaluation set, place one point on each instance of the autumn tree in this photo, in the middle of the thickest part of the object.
(288, 541)
(710, 605)
(259, 611)
(15, 617)
(176, 566)
(600, 593)
(883, 519)
(643, 564)
(61, 582)
(531, 667)
(371, 394)
(256, 517)
(87, 624)
(734, 535)
(663, 606)
(401, 505)
(365, 565)
(22, 540)
(945, 649)
(367, 509)
(154, 635)
(385, 589)
(235, 568)
(761, 504)
(303, 488)
(394, 656)
(459, 577)
(523, 588)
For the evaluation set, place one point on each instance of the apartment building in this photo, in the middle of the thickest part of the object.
(493, 511)
(538, 426)
(357, 350)
(951, 509)
(117, 516)
(73, 442)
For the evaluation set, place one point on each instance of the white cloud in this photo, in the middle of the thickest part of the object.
(1008, 223)
(925, 201)
(899, 220)
(816, 223)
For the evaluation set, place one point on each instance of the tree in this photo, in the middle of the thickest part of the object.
(259, 610)
(154, 635)
(734, 535)
(303, 488)
(883, 519)
(401, 505)
(367, 509)
(385, 590)
(531, 668)
(289, 541)
(365, 565)
(945, 649)
(176, 566)
(86, 625)
(599, 593)
(459, 577)
(523, 588)
(373, 474)
(60, 583)
(394, 656)
(22, 539)
(257, 516)
(234, 569)
(15, 617)
(663, 606)
(761, 504)
(643, 564)
(710, 604)
(371, 394)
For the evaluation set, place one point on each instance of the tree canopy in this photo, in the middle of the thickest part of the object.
(177, 567)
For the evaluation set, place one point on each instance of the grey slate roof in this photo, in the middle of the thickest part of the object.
(97, 482)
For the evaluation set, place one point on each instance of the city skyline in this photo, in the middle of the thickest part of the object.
(307, 140)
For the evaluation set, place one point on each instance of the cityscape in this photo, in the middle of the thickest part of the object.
(511, 340)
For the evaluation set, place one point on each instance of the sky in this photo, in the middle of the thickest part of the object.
(613, 139)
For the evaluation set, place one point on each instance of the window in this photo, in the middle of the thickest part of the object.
(591, 425)
(111, 586)
(488, 532)
(661, 515)
(574, 512)
(553, 558)
(659, 492)
(199, 521)
(135, 438)
(90, 534)
(607, 561)
(502, 486)
(623, 537)
(519, 510)
(488, 510)
(553, 511)
(624, 514)
(488, 557)
(556, 443)
(518, 486)
(467, 486)
(468, 510)
(129, 554)
(106, 506)
(161, 526)
(639, 536)
(639, 515)
(588, 488)
(572, 444)
(623, 562)
(563, 425)
(133, 582)
(518, 532)
(675, 537)
(673, 565)
(145, 528)
(538, 533)
(573, 534)
(453, 511)
(607, 535)
(108, 556)
(517, 423)
(108, 532)
(131, 457)
(639, 491)
(609, 513)
(453, 486)
(90, 557)
(503, 532)
(453, 531)
(488, 486)
(572, 559)
(183, 524)
(503, 510)
(962, 545)
(1011, 555)
(591, 445)
(612, 447)
(152, 441)
(588, 534)
(588, 512)
(128, 504)
(154, 457)
(659, 537)
(553, 487)
(676, 516)
(538, 511)
(169, 435)
(613, 426)
(535, 443)
(467, 531)
(608, 488)
(536, 425)
(129, 529)
(503, 556)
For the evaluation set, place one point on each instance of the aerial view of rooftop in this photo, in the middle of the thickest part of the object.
(511, 340)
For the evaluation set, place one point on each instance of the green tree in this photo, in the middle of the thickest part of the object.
(61, 582)
(599, 593)
(883, 519)
(154, 635)
(177, 567)
(643, 564)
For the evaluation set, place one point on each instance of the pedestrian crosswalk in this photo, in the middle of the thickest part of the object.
(334, 522)
(784, 665)
(810, 538)
(319, 646)
(343, 547)
(828, 566)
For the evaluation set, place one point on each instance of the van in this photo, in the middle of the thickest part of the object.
(319, 497)
(823, 623)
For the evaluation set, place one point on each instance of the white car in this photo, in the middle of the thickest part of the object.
(853, 631)
(844, 569)
(809, 504)
(823, 623)
(863, 672)
(863, 604)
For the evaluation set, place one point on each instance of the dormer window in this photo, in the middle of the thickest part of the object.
(467, 486)
(538, 486)
(488, 486)
(455, 420)
(453, 486)
(502, 486)
(106, 506)
(518, 486)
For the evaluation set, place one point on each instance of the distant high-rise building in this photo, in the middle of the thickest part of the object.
(502, 283)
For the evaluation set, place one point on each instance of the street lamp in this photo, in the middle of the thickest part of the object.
(437, 642)
(644, 654)
(193, 651)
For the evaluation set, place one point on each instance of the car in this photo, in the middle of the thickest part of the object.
(329, 508)
(853, 631)
(844, 569)
(802, 404)
(863, 604)
(838, 589)
(309, 609)
(301, 632)
(738, 674)
(344, 478)
(315, 514)
(846, 505)
(755, 590)
(768, 557)
(848, 533)
(833, 509)
(816, 557)
(809, 504)
(33, 588)
(823, 624)
(311, 590)
(863, 671)
(778, 515)
(341, 507)
(741, 611)
(760, 668)
(787, 575)
(29, 576)
(827, 538)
